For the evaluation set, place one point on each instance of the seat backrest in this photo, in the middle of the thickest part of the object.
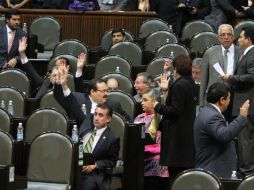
(243, 24)
(50, 158)
(158, 38)
(44, 120)
(247, 183)
(155, 67)
(48, 101)
(201, 41)
(5, 120)
(109, 63)
(196, 179)
(194, 27)
(15, 78)
(125, 83)
(151, 25)
(106, 40)
(118, 126)
(70, 46)
(72, 59)
(165, 50)
(127, 102)
(128, 50)
(48, 31)
(6, 148)
(17, 98)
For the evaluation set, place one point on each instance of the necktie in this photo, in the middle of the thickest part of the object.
(11, 39)
(89, 145)
(225, 60)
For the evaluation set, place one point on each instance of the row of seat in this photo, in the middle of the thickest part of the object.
(198, 179)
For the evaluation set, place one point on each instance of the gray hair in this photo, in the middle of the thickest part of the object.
(225, 25)
(154, 94)
(197, 62)
(147, 78)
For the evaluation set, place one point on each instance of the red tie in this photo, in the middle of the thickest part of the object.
(11, 39)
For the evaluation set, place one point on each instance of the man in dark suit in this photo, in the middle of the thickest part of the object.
(10, 34)
(44, 85)
(243, 85)
(104, 148)
(215, 148)
(97, 91)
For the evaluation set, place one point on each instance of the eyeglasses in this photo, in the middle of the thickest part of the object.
(226, 34)
(103, 91)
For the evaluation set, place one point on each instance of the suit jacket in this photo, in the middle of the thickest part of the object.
(176, 125)
(215, 148)
(4, 55)
(220, 10)
(73, 103)
(243, 83)
(105, 152)
(209, 75)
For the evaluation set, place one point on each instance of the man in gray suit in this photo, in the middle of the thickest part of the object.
(213, 136)
(216, 54)
(243, 86)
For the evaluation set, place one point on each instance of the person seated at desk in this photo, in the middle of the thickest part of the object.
(97, 93)
(102, 144)
(44, 85)
(112, 84)
(156, 176)
(10, 33)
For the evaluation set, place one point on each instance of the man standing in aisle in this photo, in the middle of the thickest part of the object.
(243, 86)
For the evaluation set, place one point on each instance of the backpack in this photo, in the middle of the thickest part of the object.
(84, 5)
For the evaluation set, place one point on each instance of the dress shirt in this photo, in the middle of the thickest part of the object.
(247, 49)
(230, 55)
(96, 138)
(9, 33)
(93, 106)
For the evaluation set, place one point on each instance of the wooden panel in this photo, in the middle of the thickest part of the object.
(88, 27)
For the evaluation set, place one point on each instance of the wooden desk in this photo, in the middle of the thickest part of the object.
(88, 26)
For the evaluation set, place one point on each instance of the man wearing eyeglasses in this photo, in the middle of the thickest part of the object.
(225, 56)
(97, 93)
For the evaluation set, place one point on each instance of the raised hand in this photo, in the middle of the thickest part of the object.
(81, 61)
(22, 44)
(245, 108)
(163, 83)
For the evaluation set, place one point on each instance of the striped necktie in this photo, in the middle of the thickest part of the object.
(11, 39)
(89, 145)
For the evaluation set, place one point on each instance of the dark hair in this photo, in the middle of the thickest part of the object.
(92, 84)
(105, 106)
(115, 30)
(249, 33)
(11, 12)
(217, 91)
(183, 65)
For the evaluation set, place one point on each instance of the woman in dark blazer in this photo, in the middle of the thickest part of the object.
(178, 115)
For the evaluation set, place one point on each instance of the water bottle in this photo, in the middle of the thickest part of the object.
(3, 104)
(80, 154)
(172, 57)
(20, 133)
(24, 27)
(233, 175)
(170, 29)
(83, 109)
(167, 41)
(74, 135)
(117, 69)
(10, 108)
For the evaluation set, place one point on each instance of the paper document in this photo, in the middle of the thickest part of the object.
(218, 68)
